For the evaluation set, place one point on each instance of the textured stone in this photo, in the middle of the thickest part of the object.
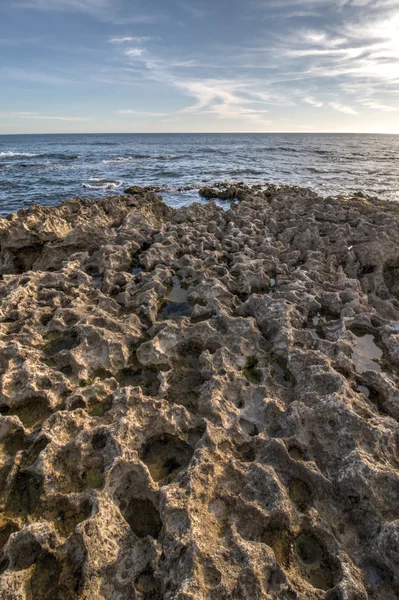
(200, 403)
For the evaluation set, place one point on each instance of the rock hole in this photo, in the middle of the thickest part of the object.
(14, 440)
(67, 342)
(25, 492)
(391, 277)
(282, 375)
(148, 585)
(4, 564)
(5, 531)
(25, 554)
(296, 453)
(99, 440)
(313, 564)
(102, 374)
(97, 407)
(251, 372)
(308, 551)
(278, 537)
(249, 428)
(24, 258)
(246, 452)
(143, 518)
(194, 435)
(166, 456)
(93, 478)
(32, 453)
(365, 270)
(147, 379)
(183, 387)
(44, 580)
(32, 411)
(300, 494)
(190, 352)
(66, 514)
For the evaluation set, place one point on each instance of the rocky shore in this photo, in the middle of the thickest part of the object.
(200, 404)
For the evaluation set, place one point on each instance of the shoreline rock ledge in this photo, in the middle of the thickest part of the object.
(200, 404)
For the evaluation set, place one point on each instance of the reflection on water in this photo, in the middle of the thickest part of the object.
(176, 304)
(365, 354)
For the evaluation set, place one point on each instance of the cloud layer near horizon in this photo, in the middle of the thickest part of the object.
(281, 65)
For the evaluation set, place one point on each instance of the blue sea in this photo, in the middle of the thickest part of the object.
(48, 168)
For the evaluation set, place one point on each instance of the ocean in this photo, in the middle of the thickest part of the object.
(49, 168)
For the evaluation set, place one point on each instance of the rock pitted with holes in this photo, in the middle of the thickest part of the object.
(200, 404)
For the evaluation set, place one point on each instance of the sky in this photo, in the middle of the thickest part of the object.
(98, 66)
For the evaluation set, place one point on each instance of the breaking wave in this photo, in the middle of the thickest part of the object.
(102, 184)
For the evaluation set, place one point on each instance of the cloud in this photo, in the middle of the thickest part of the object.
(36, 116)
(20, 74)
(125, 40)
(143, 113)
(375, 105)
(133, 52)
(111, 11)
(313, 101)
(344, 109)
(90, 6)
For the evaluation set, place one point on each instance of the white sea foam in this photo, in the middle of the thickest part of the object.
(102, 184)
(10, 154)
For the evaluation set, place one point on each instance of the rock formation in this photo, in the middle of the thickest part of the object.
(200, 404)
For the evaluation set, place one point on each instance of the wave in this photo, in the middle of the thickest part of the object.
(59, 156)
(246, 172)
(137, 157)
(11, 154)
(102, 144)
(315, 170)
(280, 149)
(103, 184)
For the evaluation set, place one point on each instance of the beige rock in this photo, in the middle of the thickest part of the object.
(200, 404)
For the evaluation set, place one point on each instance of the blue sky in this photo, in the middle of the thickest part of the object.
(209, 65)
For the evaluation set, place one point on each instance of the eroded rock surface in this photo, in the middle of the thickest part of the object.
(200, 403)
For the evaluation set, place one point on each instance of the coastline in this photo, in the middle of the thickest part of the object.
(200, 402)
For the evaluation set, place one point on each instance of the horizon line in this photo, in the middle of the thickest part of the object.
(207, 133)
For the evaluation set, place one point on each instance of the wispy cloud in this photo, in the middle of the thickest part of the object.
(36, 116)
(136, 39)
(375, 105)
(134, 52)
(344, 109)
(21, 74)
(313, 102)
(53, 118)
(113, 11)
(142, 113)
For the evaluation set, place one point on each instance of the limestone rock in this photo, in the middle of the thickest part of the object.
(200, 403)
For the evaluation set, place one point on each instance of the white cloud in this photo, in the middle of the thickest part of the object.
(343, 108)
(36, 116)
(313, 101)
(90, 6)
(52, 118)
(20, 74)
(125, 40)
(378, 106)
(111, 11)
(143, 113)
(133, 52)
